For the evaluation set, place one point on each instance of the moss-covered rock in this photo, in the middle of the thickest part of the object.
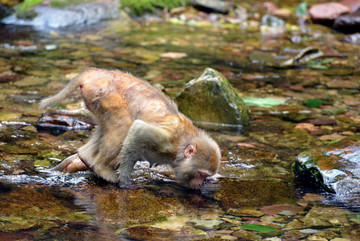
(211, 98)
(335, 168)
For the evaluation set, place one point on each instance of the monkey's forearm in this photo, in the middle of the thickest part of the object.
(141, 136)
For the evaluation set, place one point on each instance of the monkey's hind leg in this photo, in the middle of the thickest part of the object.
(102, 150)
(71, 164)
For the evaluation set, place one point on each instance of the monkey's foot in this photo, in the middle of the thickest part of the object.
(71, 164)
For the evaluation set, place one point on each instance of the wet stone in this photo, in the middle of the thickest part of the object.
(60, 121)
(193, 231)
(322, 217)
(244, 212)
(320, 122)
(334, 168)
(148, 233)
(245, 235)
(294, 234)
(271, 233)
(348, 22)
(211, 98)
(211, 5)
(205, 224)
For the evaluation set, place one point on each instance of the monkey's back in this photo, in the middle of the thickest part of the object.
(114, 89)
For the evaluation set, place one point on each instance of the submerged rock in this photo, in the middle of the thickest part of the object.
(211, 98)
(335, 168)
(82, 14)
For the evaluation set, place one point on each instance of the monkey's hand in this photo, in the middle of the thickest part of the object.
(141, 136)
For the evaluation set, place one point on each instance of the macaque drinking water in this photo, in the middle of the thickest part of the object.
(135, 121)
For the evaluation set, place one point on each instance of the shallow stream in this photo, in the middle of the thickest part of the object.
(258, 186)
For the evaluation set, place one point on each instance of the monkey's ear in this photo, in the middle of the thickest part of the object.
(190, 150)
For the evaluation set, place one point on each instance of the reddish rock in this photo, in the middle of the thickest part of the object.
(354, 5)
(278, 208)
(327, 12)
(297, 88)
(319, 132)
(307, 126)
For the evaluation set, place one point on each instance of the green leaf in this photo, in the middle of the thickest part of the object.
(263, 102)
(317, 66)
(314, 103)
(258, 227)
(334, 141)
(301, 9)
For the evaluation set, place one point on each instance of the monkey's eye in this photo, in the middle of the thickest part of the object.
(202, 175)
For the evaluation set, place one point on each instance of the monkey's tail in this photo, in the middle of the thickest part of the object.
(65, 92)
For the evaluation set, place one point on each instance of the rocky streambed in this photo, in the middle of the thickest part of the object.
(290, 172)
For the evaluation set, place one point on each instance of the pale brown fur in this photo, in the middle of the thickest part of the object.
(137, 121)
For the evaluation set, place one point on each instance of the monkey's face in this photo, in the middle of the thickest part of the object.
(191, 175)
(201, 160)
(198, 179)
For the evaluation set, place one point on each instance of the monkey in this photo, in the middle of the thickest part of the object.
(135, 121)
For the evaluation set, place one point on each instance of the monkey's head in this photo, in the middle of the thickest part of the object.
(199, 160)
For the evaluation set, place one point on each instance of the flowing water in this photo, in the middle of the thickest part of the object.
(257, 184)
